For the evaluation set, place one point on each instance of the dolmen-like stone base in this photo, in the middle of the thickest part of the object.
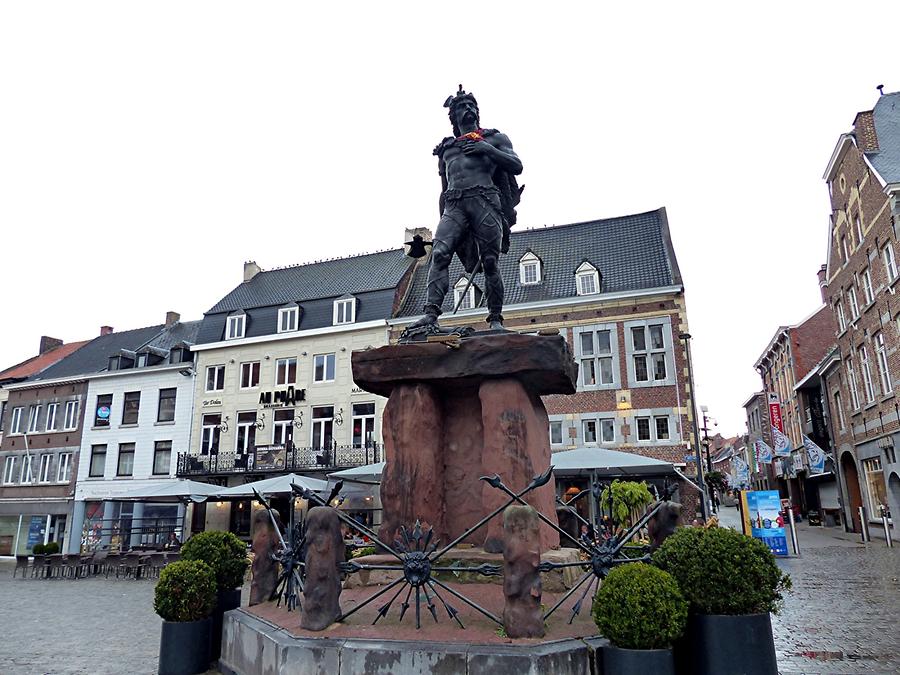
(459, 412)
(251, 646)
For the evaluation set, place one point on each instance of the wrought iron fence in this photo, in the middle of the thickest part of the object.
(294, 459)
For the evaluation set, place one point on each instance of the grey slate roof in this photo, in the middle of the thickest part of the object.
(182, 331)
(326, 279)
(94, 356)
(631, 253)
(886, 160)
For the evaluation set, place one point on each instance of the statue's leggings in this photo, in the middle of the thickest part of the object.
(476, 214)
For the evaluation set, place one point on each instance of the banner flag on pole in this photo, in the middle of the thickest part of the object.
(816, 456)
(763, 452)
(741, 471)
(782, 444)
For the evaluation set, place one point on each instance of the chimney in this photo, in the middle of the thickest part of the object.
(251, 269)
(423, 232)
(864, 128)
(172, 318)
(106, 330)
(823, 282)
(48, 343)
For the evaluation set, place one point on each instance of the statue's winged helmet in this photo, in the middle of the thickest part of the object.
(453, 101)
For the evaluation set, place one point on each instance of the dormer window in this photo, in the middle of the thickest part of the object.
(235, 327)
(468, 302)
(288, 319)
(587, 279)
(344, 310)
(529, 269)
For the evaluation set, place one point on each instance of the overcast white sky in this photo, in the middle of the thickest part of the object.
(148, 149)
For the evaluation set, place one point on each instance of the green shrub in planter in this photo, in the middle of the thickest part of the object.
(224, 552)
(51, 548)
(640, 607)
(186, 591)
(721, 571)
(38, 549)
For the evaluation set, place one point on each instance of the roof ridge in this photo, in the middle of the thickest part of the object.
(593, 221)
(324, 260)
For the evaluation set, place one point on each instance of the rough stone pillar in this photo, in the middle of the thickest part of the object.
(322, 589)
(517, 448)
(264, 568)
(412, 486)
(521, 578)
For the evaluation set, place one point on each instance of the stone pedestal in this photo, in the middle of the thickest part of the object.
(459, 412)
(522, 616)
(324, 550)
(264, 568)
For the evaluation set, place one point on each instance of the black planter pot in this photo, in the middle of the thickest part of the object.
(715, 644)
(618, 661)
(225, 601)
(184, 647)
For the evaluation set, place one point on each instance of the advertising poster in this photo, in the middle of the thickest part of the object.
(762, 510)
(36, 531)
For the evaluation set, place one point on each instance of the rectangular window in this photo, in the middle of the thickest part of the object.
(71, 421)
(845, 250)
(363, 425)
(249, 374)
(854, 303)
(556, 436)
(15, 423)
(2, 416)
(839, 411)
(529, 273)
(323, 368)
(868, 295)
(235, 328)
(26, 475)
(162, 457)
(643, 428)
(322, 427)
(590, 431)
(286, 371)
(598, 368)
(842, 320)
(165, 412)
(638, 339)
(851, 384)
(209, 434)
(857, 224)
(662, 428)
(287, 319)
(33, 413)
(245, 438)
(883, 370)
(877, 492)
(131, 408)
(44, 470)
(125, 466)
(344, 311)
(890, 262)
(215, 378)
(866, 371)
(607, 431)
(283, 427)
(51, 417)
(63, 467)
(640, 368)
(648, 353)
(659, 366)
(587, 283)
(9, 470)
(102, 410)
(98, 461)
(588, 374)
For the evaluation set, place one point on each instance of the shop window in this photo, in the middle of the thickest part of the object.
(877, 491)
(166, 409)
(125, 466)
(102, 410)
(323, 368)
(162, 457)
(131, 407)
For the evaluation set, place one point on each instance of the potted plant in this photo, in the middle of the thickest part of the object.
(641, 611)
(227, 556)
(51, 548)
(732, 584)
(184, 597)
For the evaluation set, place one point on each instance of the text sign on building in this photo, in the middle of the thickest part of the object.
(281, 397)
(775, 412)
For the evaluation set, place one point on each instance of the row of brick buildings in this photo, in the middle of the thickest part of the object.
(835, 374)
(95, 433)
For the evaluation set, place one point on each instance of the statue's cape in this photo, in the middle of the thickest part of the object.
(510, 195)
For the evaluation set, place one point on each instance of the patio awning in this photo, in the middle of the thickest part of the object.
(367, 473)
(610, 463)
(280, 485)
(171, 491)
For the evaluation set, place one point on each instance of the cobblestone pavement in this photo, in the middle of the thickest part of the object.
(843, 615)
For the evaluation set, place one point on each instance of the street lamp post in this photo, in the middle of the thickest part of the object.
(686, 337)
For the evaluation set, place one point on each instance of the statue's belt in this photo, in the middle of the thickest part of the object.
(472, 191)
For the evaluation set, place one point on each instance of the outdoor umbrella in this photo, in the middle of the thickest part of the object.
(280, 485)
(171, 491)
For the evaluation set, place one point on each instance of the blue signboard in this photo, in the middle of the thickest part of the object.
(765, 522)
(36, 531)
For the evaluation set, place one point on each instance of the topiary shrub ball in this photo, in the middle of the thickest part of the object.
(224, 552)
(721, 571)
(186, 591)
(639, 606)
(51, 548)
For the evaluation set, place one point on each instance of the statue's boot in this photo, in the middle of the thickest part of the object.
(496, 325)
(427, 320)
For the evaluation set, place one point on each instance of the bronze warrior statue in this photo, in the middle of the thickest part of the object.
(478, 168)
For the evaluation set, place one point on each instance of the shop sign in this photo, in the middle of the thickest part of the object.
(281, 397)
(211, 402)
(775, 412)
(270, 457)
(762, 516)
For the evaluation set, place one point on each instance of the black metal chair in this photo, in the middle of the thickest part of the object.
(21, 564)
(39, 566)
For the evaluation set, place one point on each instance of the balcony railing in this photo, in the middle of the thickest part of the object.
(279, 460)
